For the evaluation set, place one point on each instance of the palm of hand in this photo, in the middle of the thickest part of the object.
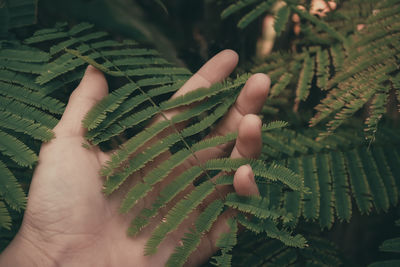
(67, 209)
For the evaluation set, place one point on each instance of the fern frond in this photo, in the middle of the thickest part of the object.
(255, 13)
(281, 84)
(377, 110)
(171, 190)
(27, 112)
(226, 242)
(5, 219)
(19, 124)
(311, 204)
(304, 83)
(178, 214)
(318, 23)
(359, 184)
(378, 189)
(31, 98)
(274, 125)
(23, 54)
(281, 19)
(322, 60)
(16, 150)
(235, 7)
(256, 206)
(107, 105)
(326, 212)
(292, 202)
(113, 182)
(274, 172)
(192, 239)
(125, 107)
(10, 190)
(386, 174)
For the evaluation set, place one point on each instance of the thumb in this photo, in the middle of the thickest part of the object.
(92, 88)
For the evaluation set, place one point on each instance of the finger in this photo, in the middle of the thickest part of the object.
(249, 142)
(92, 88)
(244, 182)
(248, 145)
(250, 101)
(215, 70)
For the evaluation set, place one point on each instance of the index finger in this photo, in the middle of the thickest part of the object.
(215, 70)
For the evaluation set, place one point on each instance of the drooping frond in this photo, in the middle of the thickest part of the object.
(26, 113)
(16, 150)
(336, 169)
(281, 19)
(304, 83)
(255, 13)
(5, 219)
(226, 242)
(10, 189)
(256, 206)
(193, 238)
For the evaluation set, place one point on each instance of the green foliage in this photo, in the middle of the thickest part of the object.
(145, 77)
(26, 114)
(304, 174)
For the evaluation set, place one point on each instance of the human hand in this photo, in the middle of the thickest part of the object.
(69, 221)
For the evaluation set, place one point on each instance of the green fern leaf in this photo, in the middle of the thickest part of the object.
(27, 112)
(5, 219)
(340, 186)
(304, 83)
(31, 98)
(226, 242)
(359, 183)
(293, 200)
(16, 150)
(177, 214)
(255, 13)
(378, 189)
(281, 19)
(10, 190)
(318, 23)
(281, 84)
(256, 206)
(235, 7)
(311, 204)
(106, 105)
(326, 212)
(19, 124)
(322, 59)
(192, 239)
(274, 125)
(386, 174)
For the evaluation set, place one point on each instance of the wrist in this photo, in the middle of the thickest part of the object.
(23, 251)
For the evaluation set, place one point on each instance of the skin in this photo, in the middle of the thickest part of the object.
(69, 221)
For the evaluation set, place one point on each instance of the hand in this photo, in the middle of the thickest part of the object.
(69, 221)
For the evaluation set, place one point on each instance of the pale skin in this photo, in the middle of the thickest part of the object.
(69, 221)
